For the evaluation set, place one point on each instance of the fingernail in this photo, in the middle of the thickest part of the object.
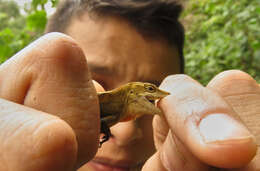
(221, 128)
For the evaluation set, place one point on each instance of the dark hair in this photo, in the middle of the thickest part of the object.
(156, 18)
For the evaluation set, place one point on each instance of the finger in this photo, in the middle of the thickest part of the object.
(173, 155)
(51, 75)
(154, 163)
(170, 147)
(97, 86)
(242, 92)
(160, 130)
(203, 122)
(31, 140)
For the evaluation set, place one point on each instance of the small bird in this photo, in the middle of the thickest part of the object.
(126, 103)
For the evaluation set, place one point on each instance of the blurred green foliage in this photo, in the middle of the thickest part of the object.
(17, 30)
(222, 35)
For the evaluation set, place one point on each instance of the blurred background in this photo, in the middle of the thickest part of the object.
(220, 34)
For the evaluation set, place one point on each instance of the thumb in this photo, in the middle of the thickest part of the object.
(204, 124)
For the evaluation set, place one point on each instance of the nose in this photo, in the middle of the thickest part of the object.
(126, 133)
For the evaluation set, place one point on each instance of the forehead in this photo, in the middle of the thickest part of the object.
(114, 47)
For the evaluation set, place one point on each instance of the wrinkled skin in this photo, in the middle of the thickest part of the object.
(208, 124)
(50, 130)
(52, 122)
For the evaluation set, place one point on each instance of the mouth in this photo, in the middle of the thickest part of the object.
(100, 164)
(153, 98)
(151, 101)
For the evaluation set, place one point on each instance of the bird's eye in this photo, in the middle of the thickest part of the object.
(150, 89)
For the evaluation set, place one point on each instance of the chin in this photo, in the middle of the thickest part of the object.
(102, 164)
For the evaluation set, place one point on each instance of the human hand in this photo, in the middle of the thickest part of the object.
(52, 122)
(208, 128)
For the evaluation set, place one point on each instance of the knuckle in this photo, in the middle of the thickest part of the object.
(233, 78)
(56, 36)
(179, 83)
(62, 47)
(178, 78)
(55, 53)
(235, 74)
(51, 49)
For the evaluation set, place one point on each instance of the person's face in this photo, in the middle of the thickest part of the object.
(118, 54)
